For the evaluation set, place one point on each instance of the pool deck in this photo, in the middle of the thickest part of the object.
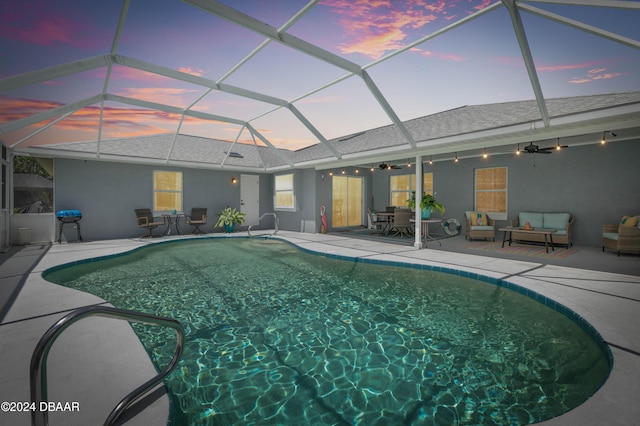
(97, 361)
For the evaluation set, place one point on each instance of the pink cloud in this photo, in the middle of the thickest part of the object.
(135, 120)
(120, 72)
(193, 71)
(595, 75)
(15, 109)
(291, 144)
(162, 95)
(592, 74)
(439, 55)
(37, 23)
(117, 122)
(563, 67)
(483, 4)
(596, 71)
(375, 27)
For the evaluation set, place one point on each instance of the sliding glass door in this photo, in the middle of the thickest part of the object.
(346, 199)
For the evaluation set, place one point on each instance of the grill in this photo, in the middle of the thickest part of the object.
(69, 216)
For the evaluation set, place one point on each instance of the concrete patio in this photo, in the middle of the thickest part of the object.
(98, 361)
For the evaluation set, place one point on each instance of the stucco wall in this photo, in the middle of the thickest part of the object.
(107, 194)
(305, 218)
(595, 183)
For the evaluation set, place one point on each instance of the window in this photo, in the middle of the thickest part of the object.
(284, 194)
(167, 191)
(491, 191)
(32, 185)
(403, 185)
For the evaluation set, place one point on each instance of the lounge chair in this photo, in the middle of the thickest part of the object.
(148, 221)
(197, 218)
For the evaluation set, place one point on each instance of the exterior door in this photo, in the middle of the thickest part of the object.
(250, 198)
(346, 201)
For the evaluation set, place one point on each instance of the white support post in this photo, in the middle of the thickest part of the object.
(418, 213)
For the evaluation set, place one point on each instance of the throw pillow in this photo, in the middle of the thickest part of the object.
(478, 219)
(629, 221)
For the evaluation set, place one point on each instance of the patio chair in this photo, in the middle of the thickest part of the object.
(378, 224)
(622, 236)
(480, 225)
(402, 222)
(198, 217)
(146, 220)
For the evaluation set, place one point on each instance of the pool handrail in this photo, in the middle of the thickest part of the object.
(38, 368)
(260, 218)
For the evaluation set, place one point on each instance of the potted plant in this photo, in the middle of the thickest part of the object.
(229, 216)
(427, 204)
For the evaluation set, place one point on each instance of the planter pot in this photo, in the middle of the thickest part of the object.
(426, 212)
(230, 228)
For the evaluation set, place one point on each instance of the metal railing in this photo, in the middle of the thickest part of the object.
(38, 370)
(260, 218)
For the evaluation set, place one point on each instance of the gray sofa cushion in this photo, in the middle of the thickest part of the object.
(557, 221)
(534, 219)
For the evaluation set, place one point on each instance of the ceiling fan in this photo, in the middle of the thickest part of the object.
(385, 166)
(535, 149)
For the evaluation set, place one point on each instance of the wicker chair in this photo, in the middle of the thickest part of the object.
(147, 221)
(621, 238)
(480, 231)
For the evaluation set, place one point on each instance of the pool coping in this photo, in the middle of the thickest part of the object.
(610, 303)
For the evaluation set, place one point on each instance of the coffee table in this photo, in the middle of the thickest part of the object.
(543, 231)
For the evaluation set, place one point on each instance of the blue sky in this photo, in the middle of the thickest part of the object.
(476, 63)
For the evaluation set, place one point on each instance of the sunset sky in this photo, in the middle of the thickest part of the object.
(476, 63)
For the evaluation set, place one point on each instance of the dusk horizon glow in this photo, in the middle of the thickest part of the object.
(478, 62)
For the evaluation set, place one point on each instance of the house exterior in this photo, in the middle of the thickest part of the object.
(108, 180)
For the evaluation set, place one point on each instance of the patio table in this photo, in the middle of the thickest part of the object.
(172, 219)
(425, 229)
(544, 231)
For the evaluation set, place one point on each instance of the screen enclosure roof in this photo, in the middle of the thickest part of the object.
(255, 85)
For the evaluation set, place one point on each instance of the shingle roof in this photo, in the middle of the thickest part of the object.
(465, 120)
(475, 118)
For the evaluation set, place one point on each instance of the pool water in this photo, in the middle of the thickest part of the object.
(275, 335)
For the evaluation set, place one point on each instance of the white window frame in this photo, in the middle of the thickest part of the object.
(494, 215)
(180, 191)
(411, 186)
(277, 190)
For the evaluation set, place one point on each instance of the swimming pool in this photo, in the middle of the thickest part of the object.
(278, 336)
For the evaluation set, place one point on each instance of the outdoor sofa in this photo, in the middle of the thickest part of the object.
(561, 222)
